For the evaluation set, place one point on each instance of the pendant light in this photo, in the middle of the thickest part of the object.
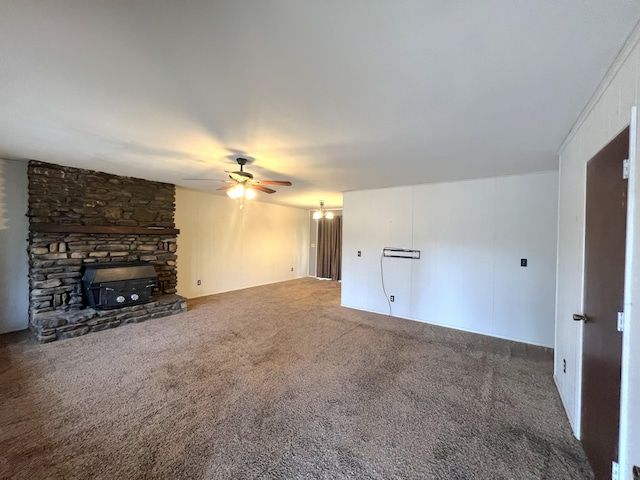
(322, 213)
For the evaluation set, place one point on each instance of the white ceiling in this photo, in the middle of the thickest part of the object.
(333, 95)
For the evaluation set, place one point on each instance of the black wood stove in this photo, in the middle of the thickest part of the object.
(116, 285)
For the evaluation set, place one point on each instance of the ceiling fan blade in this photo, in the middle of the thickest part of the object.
(227, 187)
(263, 189)
(275, 182)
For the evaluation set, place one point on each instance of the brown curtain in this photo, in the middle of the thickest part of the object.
(330, 248)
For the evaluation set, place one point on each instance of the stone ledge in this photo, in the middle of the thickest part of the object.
(50, 326)
(117, 229)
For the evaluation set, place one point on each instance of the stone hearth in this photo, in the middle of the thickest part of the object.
(56, 325)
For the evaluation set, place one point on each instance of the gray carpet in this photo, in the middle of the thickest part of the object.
(279, 381)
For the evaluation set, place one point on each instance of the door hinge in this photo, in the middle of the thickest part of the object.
(625, 169)
(615, 471)
(620, 321)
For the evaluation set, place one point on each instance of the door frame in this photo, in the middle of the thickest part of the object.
(631, 290)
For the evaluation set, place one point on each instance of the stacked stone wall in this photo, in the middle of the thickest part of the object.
(75, 196)
(57, 263)
(60, 197)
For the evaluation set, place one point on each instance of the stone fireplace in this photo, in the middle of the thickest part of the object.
(81, 217)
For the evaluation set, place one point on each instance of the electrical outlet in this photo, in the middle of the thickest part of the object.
(359, 253)
(523, 262)
(392, 298)
(199, 282)
(564, 365)
(292, 269)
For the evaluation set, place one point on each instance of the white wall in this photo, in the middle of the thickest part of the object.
(471, 235)
(606, 115)
(14, 283)
(228, 248)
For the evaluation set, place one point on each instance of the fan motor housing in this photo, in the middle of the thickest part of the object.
(242, 173)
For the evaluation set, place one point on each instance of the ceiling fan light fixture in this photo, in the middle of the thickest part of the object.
(239, 191)
(317, 215)
(242, 185)
(329, 215)
(236, 192)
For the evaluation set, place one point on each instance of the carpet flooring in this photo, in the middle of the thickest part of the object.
(279, 381)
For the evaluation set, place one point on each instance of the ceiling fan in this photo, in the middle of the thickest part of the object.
(242, 184)
(245, 181)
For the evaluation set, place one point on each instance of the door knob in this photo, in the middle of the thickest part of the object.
(579, 318)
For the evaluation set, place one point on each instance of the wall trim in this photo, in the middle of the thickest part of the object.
(443, 325)
(624, 52)
(626, 394)
(247, 287)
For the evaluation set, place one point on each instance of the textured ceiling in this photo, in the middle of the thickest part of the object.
(331, 95)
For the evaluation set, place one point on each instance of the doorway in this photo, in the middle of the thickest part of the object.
(329, 245)
(605, 237)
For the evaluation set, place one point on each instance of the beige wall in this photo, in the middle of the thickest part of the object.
(228, 248)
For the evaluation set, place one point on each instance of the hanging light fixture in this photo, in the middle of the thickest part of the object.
(322, 213)
(240, 191)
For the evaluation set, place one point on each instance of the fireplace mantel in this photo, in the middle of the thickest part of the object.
(116, 229)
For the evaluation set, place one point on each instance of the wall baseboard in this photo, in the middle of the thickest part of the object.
(245, 287)
(444, 325)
